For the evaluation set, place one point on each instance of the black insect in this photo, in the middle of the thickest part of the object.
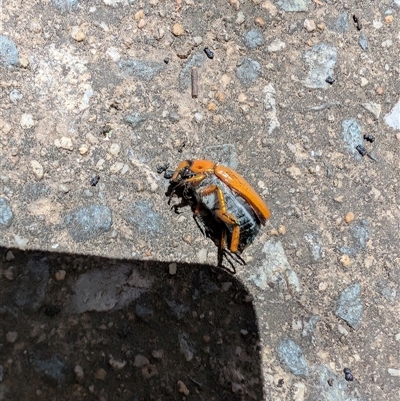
(208, 53)
(357, 22)
(162, 168)
(361, 150)
(95, 180)
(348, 375)
(329, 80)
(369, 138)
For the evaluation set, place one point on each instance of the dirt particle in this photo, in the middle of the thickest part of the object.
(139, 15)
(177, 30)
(100, 374)
(182, 388)
(77, 34)
(11, 337)
(259, 21)
(345, 260)
(60, 275)
(349, 217)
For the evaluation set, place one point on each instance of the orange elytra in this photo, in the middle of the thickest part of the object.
(203, 168)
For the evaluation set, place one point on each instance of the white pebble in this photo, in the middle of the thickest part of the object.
(37, 169)
(27, 121)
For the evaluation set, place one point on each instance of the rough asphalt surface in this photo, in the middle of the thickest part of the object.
(106, 293)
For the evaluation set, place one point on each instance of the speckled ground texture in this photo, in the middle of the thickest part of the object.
(106, 293)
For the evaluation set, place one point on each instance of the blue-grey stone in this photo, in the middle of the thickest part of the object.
(357, 240)
(64, 5)
(363, 41)
(321, 59)
(248, 71)
(292, 357)
(294, 5)
(352, 136)
(8, 52)
(178, 308)
(143, 70)
(6, 214)
(88, 222)
(340, 24)
(135, 119)
(144, 312)
(196, 60)
(337, 390)
(30, 288)
(349, 307)
(15, 95)
(254, 38)
(143, 217)
(52, 368)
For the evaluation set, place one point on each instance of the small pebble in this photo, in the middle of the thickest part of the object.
(141, 24)
(379, 90)
(345, 260)
(149, 371)
(177, 30)
(389, 19)
(182, 388)
(115, 364)
(60, 275)
(348, 375)
(83, 149)
(64, 142)
(100, 374)
(274, 232)
(211, 106)
(9, 256)
(235, 4)
(79, 372)
(172, 268)
(349, 217)
(259, 21)
(37, 169)
(157, 354)
(240, 18)
(282, 230)
(140, 361)
(77, 34)
(364, 82)
(139, 15)
(361, 150)
(208, 53)
(237, 388)
(11, 337)
(309, 24)
(27, 121)
(329, 80)
(394, 372)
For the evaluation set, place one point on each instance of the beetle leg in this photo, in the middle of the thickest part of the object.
(182, 165)
(223, 215)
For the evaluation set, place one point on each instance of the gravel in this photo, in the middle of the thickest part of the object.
(349, 307)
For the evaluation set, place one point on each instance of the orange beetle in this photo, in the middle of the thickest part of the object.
(195, 172)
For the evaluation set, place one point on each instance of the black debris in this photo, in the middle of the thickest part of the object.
(348, 375)
(369, 138)
(209, 53)
(330, 382)
(95, 180)
(280, 383)
(180, 149)
(329, 80)
(166, 60)
(357, 22)
(52, 310)
(125, 330)
(361, 150)
(162, 168)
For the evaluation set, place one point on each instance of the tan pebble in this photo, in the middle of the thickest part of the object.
(79, 372)
(37, 169)
(211, 106)
(116, 364)
(274, 232)
(339, 199)
(349, 217)
(206, 338)
(140, 361)
(242, 98)
(322, 286)
(379, 91)
(77, 34)
(139, 15)
(364, 81)
(141, 24)
(398, 137)
(178, 30)
(83, 149)
(235, 4)
(60, 275)
(220, 97)
(345, 260)
(24, 62)
(321, 26)
(309, 24)
(182, 388)
(389, 19)
(157, 353)
(100, 374)
(282, 230)
(64, 143)
(259, 21)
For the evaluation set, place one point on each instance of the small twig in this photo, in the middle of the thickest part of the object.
(195, 382)
(195, 82)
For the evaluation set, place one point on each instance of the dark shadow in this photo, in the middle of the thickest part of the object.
(194, 331)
